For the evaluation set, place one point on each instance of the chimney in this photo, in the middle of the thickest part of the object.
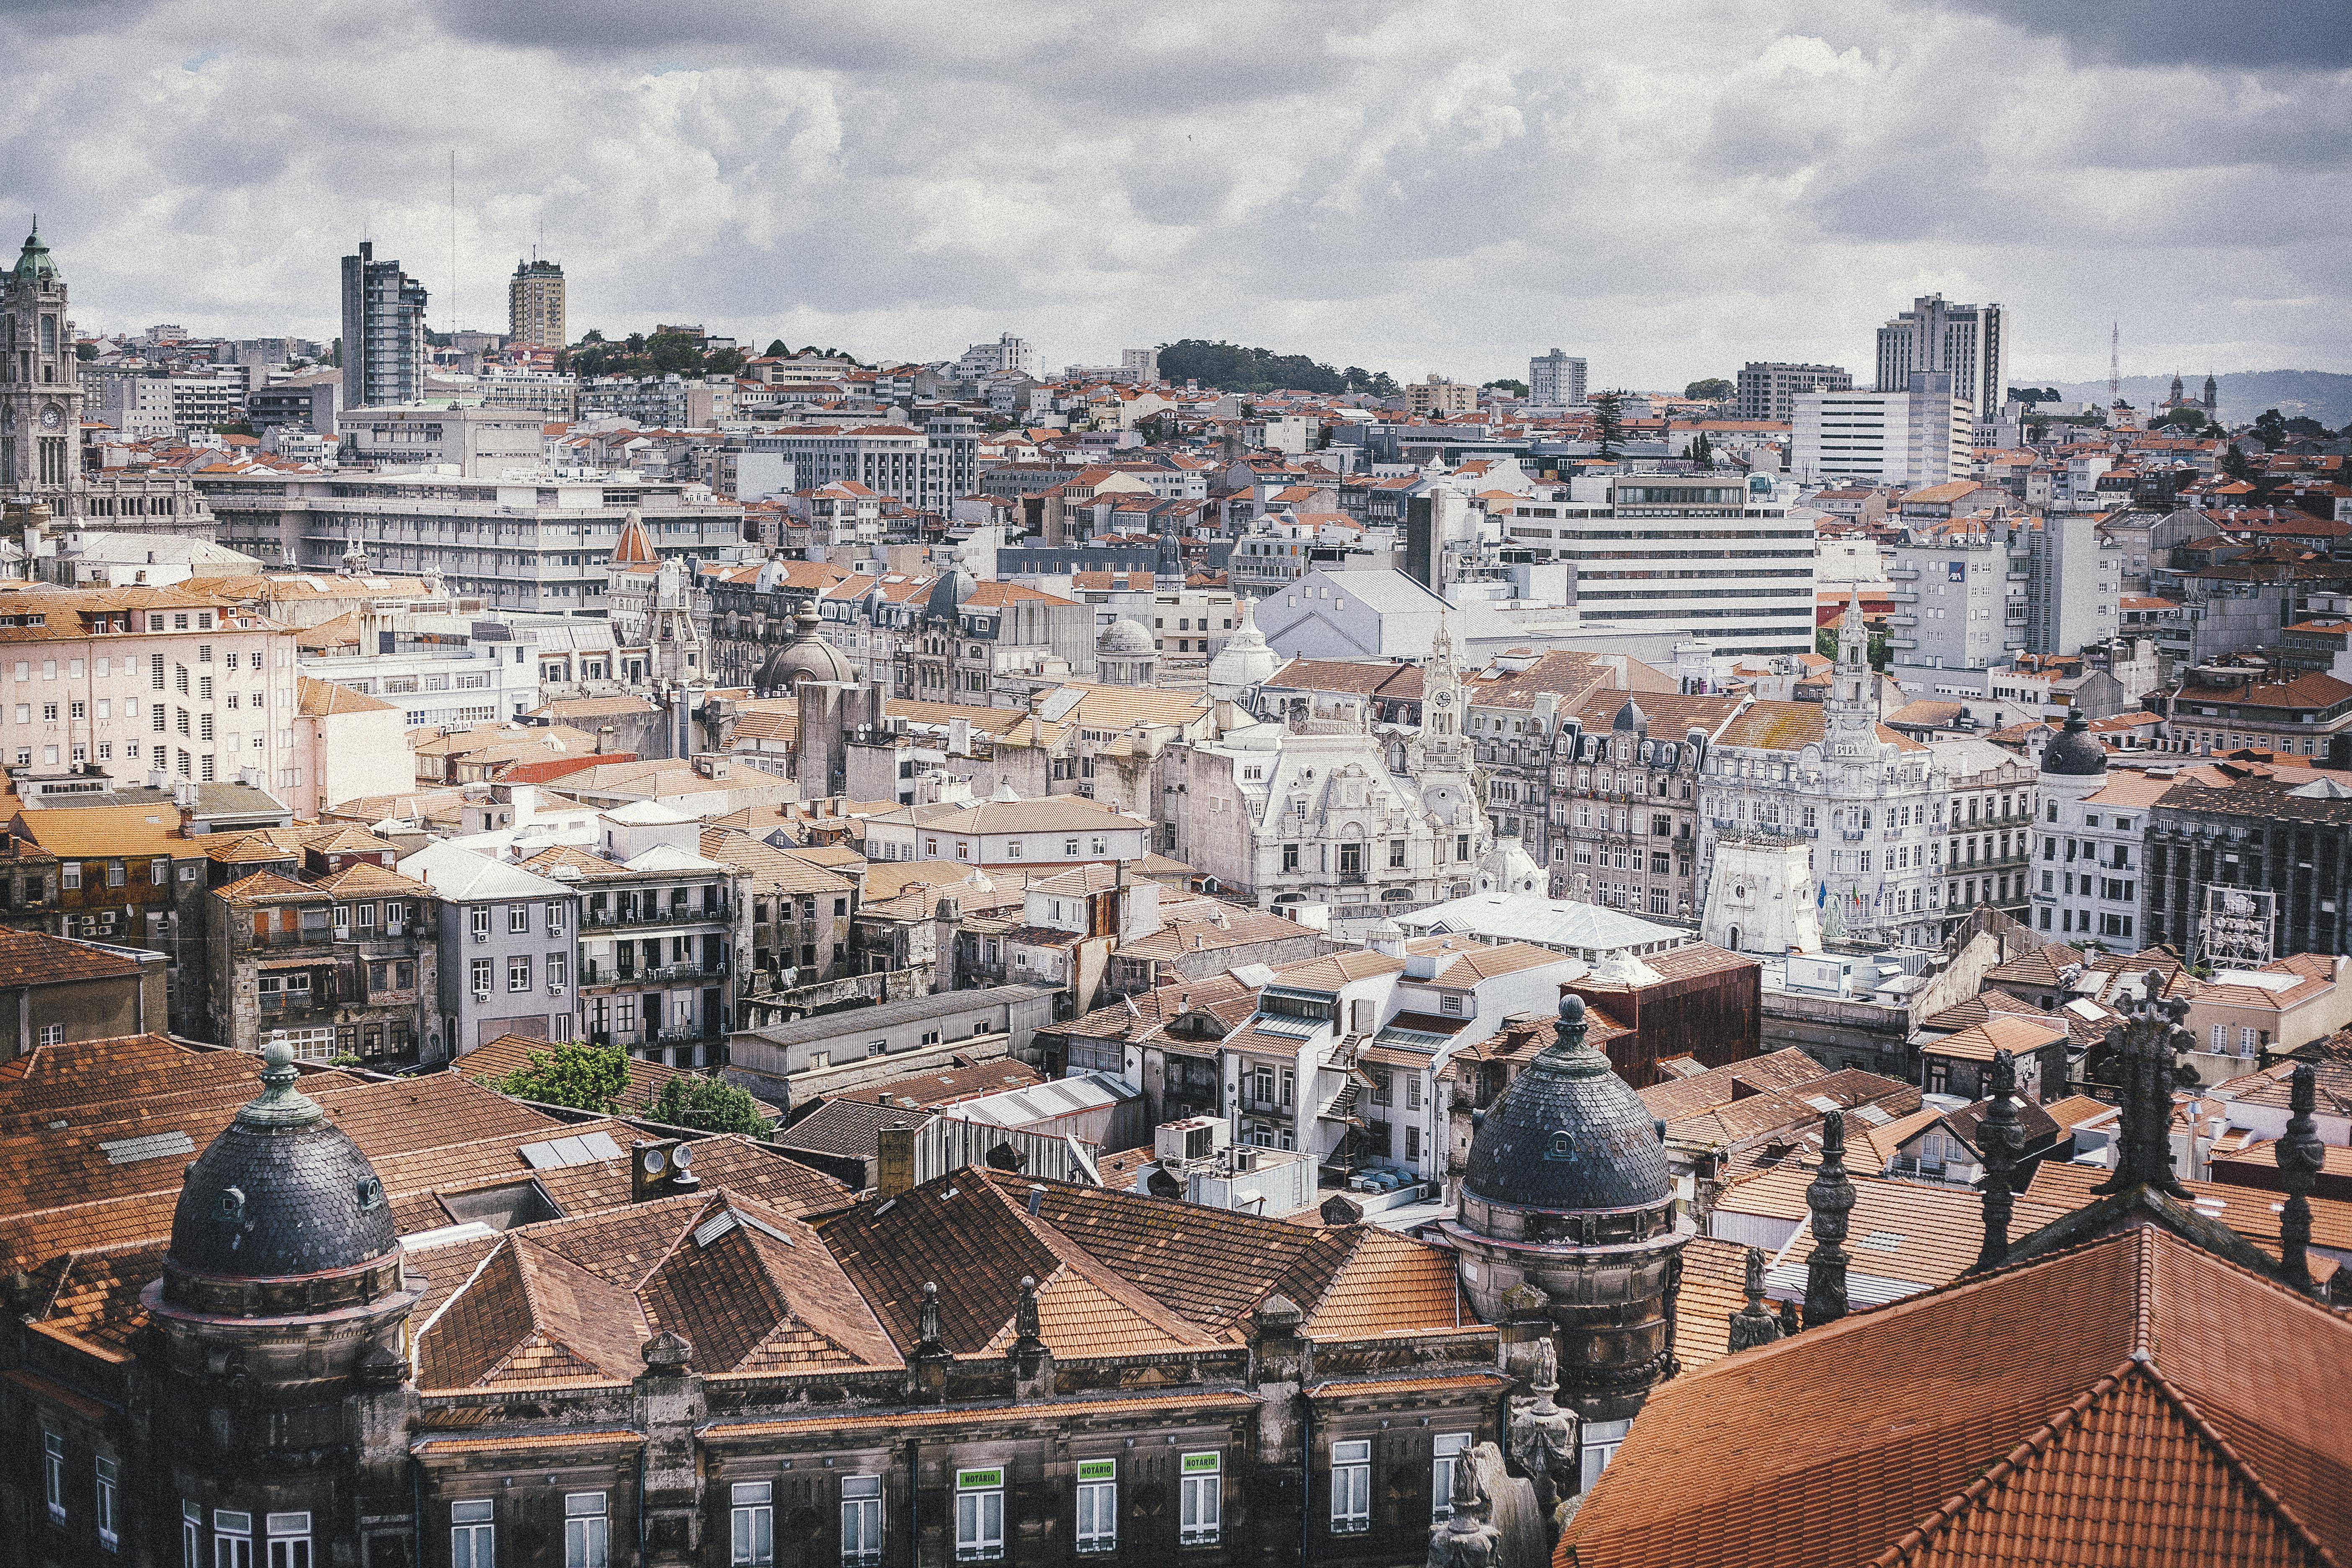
(894, 1160)
(1831, 1199)
(1036, 1198)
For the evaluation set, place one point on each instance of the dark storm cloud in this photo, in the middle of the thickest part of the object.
(2292, 35)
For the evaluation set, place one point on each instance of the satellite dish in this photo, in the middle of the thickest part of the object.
(682, 1157)
(656, 1161)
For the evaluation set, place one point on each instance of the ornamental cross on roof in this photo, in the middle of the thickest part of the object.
(2149, 1044)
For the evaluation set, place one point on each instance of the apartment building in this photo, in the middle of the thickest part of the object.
(1916, 434)
(1960, 599)
(385, 354)
(1555, 380)
(1770, 389)
(338, 965)
(535, 305)
(163, 681)
(1438, 397)
(508, 943)
(539, 544)
(1970, 343)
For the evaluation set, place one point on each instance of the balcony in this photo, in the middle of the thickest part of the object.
(309, 936)
(669, 915)
(598, 975)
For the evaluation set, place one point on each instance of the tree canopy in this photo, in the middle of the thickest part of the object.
(1609, 424)
(1715, 389)
(709, 1105)
(575, 1073)
(663, 353)
(1504, 384)
(1230, 367)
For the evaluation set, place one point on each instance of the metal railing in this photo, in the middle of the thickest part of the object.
(669, 915)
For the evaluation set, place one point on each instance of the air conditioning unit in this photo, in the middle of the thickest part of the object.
(555, 988)
(481, 996)
(1195, 1139)
(481, 936)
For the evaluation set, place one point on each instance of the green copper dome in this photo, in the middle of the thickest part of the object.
(33, 264)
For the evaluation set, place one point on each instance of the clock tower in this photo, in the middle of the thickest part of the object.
(40, 387)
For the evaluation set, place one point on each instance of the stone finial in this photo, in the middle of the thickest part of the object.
(927, 1326)
(1026, 1322)
(280, 1103)
(1755, 1324)
(1999, 1139)
(2147, 1048)
(667, 1354)
(1466, 1538)
(2300, 1158)
(1831, 1198)
(1527, 1303)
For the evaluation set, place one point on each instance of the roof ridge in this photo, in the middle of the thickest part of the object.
(2185, 1407)
(2035, 1441)
(1094, 1271)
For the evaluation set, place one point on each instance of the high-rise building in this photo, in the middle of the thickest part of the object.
(40, 385)
(384, 351)
(1768, 390)
(1140, 366)
(535, 305)
(1555, 380)
(1914, 437)
(1969, 342)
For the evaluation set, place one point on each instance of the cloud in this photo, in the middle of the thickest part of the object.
(1442, 186)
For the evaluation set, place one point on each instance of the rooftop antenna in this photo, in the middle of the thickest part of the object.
(2114, 362)
(452, 246)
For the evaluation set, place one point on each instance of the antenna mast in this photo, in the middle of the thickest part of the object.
(452, 246)
(2115, 356)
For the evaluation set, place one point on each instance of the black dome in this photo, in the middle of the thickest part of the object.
(1630, 717)
(1569, 1135)
(2075, 753)
(808, 657)
(281, 1192)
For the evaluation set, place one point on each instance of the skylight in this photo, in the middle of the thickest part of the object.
(586, 1149)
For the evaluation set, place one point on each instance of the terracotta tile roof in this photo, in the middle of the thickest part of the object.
(1714, 1278)
(1783, 1068)
(31, 958)
(1737, 1123)
(2136, 1400)
(124, 830)
(1337, 969)
(771, 869)
(1388, 1285)
(1378, 1385)
(2252, 1212)
(1998, 1032)
(948, 1084)
(611, 1436)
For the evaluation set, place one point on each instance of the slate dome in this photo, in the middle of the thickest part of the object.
(1569, 1135)
(281, 1192)
(2075, 753)
(953, 587)
(808, 657)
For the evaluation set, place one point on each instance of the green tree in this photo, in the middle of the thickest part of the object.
(708, 1104)
(1609, 424)
(236, 427)
(1230, 367)
(85, 351)
(576, 1074)
(1701, 452)
(335, 354)
(2269, 429)
(2301, 427)
(776, 349)
(1713, 389)
(1504, 384)
(2234, 464)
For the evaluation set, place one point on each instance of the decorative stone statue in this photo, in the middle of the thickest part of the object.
(2147, 1048)
(927, 1319)
(2300, 1157)
(2001, 1140)
(1543, 1435)
(1754, 1324)
(1466, 1539)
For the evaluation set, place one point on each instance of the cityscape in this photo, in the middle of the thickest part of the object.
(1190, 876)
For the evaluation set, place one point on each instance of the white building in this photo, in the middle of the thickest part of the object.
(1555, 380)
(1008, 356)
(1005, 830)
(2086, 866)
(478, 443)
(1917, 437)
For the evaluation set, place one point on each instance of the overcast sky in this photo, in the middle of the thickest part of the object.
(1667, 190)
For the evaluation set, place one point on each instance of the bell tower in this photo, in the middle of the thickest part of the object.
(40, 387)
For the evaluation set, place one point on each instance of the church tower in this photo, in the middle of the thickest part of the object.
(1850, 716)
(40, 387)
(2212, 394)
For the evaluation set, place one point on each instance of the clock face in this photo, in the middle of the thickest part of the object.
(52, 418)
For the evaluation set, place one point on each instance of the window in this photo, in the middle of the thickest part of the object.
(518, 974)
(192, 1536)
(2246, 1039)
(2220, 1039)
(1290, 857)
(109, 1508)
(980, 1515)
(861, 1520)
(1351, 1488)
(584, 1525)
(232, 1539)
(555, 971)
(1448, 1449)
(53, 1474)
(1450, 1006)
(289, 1540)
(473, 1539)
(1201, 1506)
(1098, 1505)
(481, 921)
(517, 918)
(754, 1525)
(1600, 1445)
(1396, 854)
(53, 1034)
(481, 977)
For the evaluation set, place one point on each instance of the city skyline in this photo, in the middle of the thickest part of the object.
(1762, 186)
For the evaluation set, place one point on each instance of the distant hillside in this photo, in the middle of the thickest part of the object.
(1230, 367)
(2320, 394)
